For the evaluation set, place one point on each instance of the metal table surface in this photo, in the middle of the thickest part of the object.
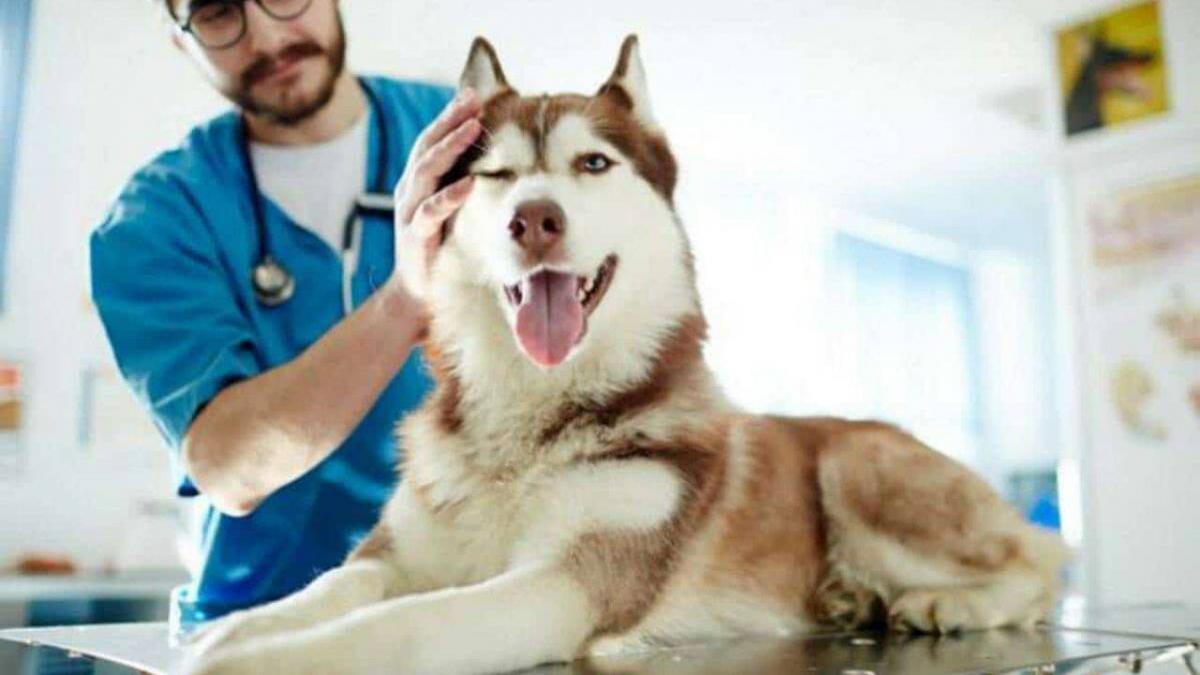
(1111, 640)
(1160, 619)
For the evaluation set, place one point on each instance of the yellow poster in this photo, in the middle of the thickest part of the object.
(1112, 69)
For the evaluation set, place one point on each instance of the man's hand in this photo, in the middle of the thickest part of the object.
(420, 212)
(260, 434)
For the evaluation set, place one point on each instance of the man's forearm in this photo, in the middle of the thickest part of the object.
(260, 434)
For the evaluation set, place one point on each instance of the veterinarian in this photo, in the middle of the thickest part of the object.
(245, 283)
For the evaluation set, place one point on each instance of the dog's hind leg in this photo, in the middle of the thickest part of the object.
(1016, 597)
(920, 536)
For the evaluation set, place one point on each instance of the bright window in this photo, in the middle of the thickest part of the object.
(14, 32)
(906, 344)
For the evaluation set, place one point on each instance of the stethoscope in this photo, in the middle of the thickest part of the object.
(273, 283)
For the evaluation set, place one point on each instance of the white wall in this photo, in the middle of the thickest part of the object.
(96, 103)
(781, 112)
(1137, 498)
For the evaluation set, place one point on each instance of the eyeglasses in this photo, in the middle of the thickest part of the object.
(220, 24)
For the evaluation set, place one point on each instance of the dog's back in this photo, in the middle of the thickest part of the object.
(795, 523)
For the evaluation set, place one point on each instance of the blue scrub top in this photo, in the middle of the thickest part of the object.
(171, 279)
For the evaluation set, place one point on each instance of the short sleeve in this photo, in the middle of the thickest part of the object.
(169, 308)
(428, 99)
(442, 96)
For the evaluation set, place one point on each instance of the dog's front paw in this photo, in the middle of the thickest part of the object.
(225, 662)
(240, 627)
(291, 654)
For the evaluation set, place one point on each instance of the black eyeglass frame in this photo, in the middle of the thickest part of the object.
(186, 25)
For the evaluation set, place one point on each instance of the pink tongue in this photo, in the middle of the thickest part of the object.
(551, 320)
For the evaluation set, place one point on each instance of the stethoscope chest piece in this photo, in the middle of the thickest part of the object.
(273, 285)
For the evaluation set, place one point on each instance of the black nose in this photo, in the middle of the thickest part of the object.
(538, 225)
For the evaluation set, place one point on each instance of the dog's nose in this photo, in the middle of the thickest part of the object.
(538, 225)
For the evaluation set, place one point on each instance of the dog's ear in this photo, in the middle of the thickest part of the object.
(628, 83)
(483, 72)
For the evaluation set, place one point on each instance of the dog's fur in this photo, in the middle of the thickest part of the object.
(613, 499)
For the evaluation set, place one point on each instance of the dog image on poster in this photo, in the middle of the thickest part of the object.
(1111, 69)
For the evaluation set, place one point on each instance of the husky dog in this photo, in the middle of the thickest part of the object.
(577, 484)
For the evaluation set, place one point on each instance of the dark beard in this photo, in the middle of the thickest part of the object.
(291, 116)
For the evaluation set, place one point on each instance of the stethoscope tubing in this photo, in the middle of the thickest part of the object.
(273, 284)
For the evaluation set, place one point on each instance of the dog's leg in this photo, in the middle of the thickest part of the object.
(382, 566)
(517, 620)
(928, 538)
(335, 593)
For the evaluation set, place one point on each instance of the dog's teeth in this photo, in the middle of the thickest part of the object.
(514, 294)
(581, 294)
(588, 285)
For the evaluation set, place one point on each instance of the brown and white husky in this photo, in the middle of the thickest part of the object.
(577, 484)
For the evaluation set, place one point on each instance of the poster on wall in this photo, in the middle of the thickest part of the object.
(112, 423)
(1111, 68)
(1145, 293)
(1139, 232)
(12, 417)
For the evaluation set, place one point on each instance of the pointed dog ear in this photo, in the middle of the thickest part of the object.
(628, 83)
(483, 72)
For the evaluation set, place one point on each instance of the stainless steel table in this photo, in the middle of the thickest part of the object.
(1103, 640)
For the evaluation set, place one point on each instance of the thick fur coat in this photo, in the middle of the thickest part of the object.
(578, 484)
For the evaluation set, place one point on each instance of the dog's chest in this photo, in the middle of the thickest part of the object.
(475, 519)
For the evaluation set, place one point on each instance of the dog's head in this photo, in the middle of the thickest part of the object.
(569, 241)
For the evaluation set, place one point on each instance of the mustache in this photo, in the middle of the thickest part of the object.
(264, 65)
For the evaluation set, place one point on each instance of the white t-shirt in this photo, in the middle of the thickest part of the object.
(316, 185)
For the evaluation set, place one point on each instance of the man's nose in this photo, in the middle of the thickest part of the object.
(264, 33)
(538, 226)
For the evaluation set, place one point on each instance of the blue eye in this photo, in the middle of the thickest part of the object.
(593, 162)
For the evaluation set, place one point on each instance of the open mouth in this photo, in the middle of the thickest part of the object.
(553, 307)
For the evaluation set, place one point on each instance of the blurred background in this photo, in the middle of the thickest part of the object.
(974, 219)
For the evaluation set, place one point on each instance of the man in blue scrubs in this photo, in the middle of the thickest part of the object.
(279, 416)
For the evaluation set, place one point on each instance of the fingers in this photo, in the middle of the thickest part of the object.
(435, 152)
(464, 106)
(434, 210)
(418, 243)
(439, 159)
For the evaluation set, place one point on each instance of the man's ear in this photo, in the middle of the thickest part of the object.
(628, 83)
(483, 72)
